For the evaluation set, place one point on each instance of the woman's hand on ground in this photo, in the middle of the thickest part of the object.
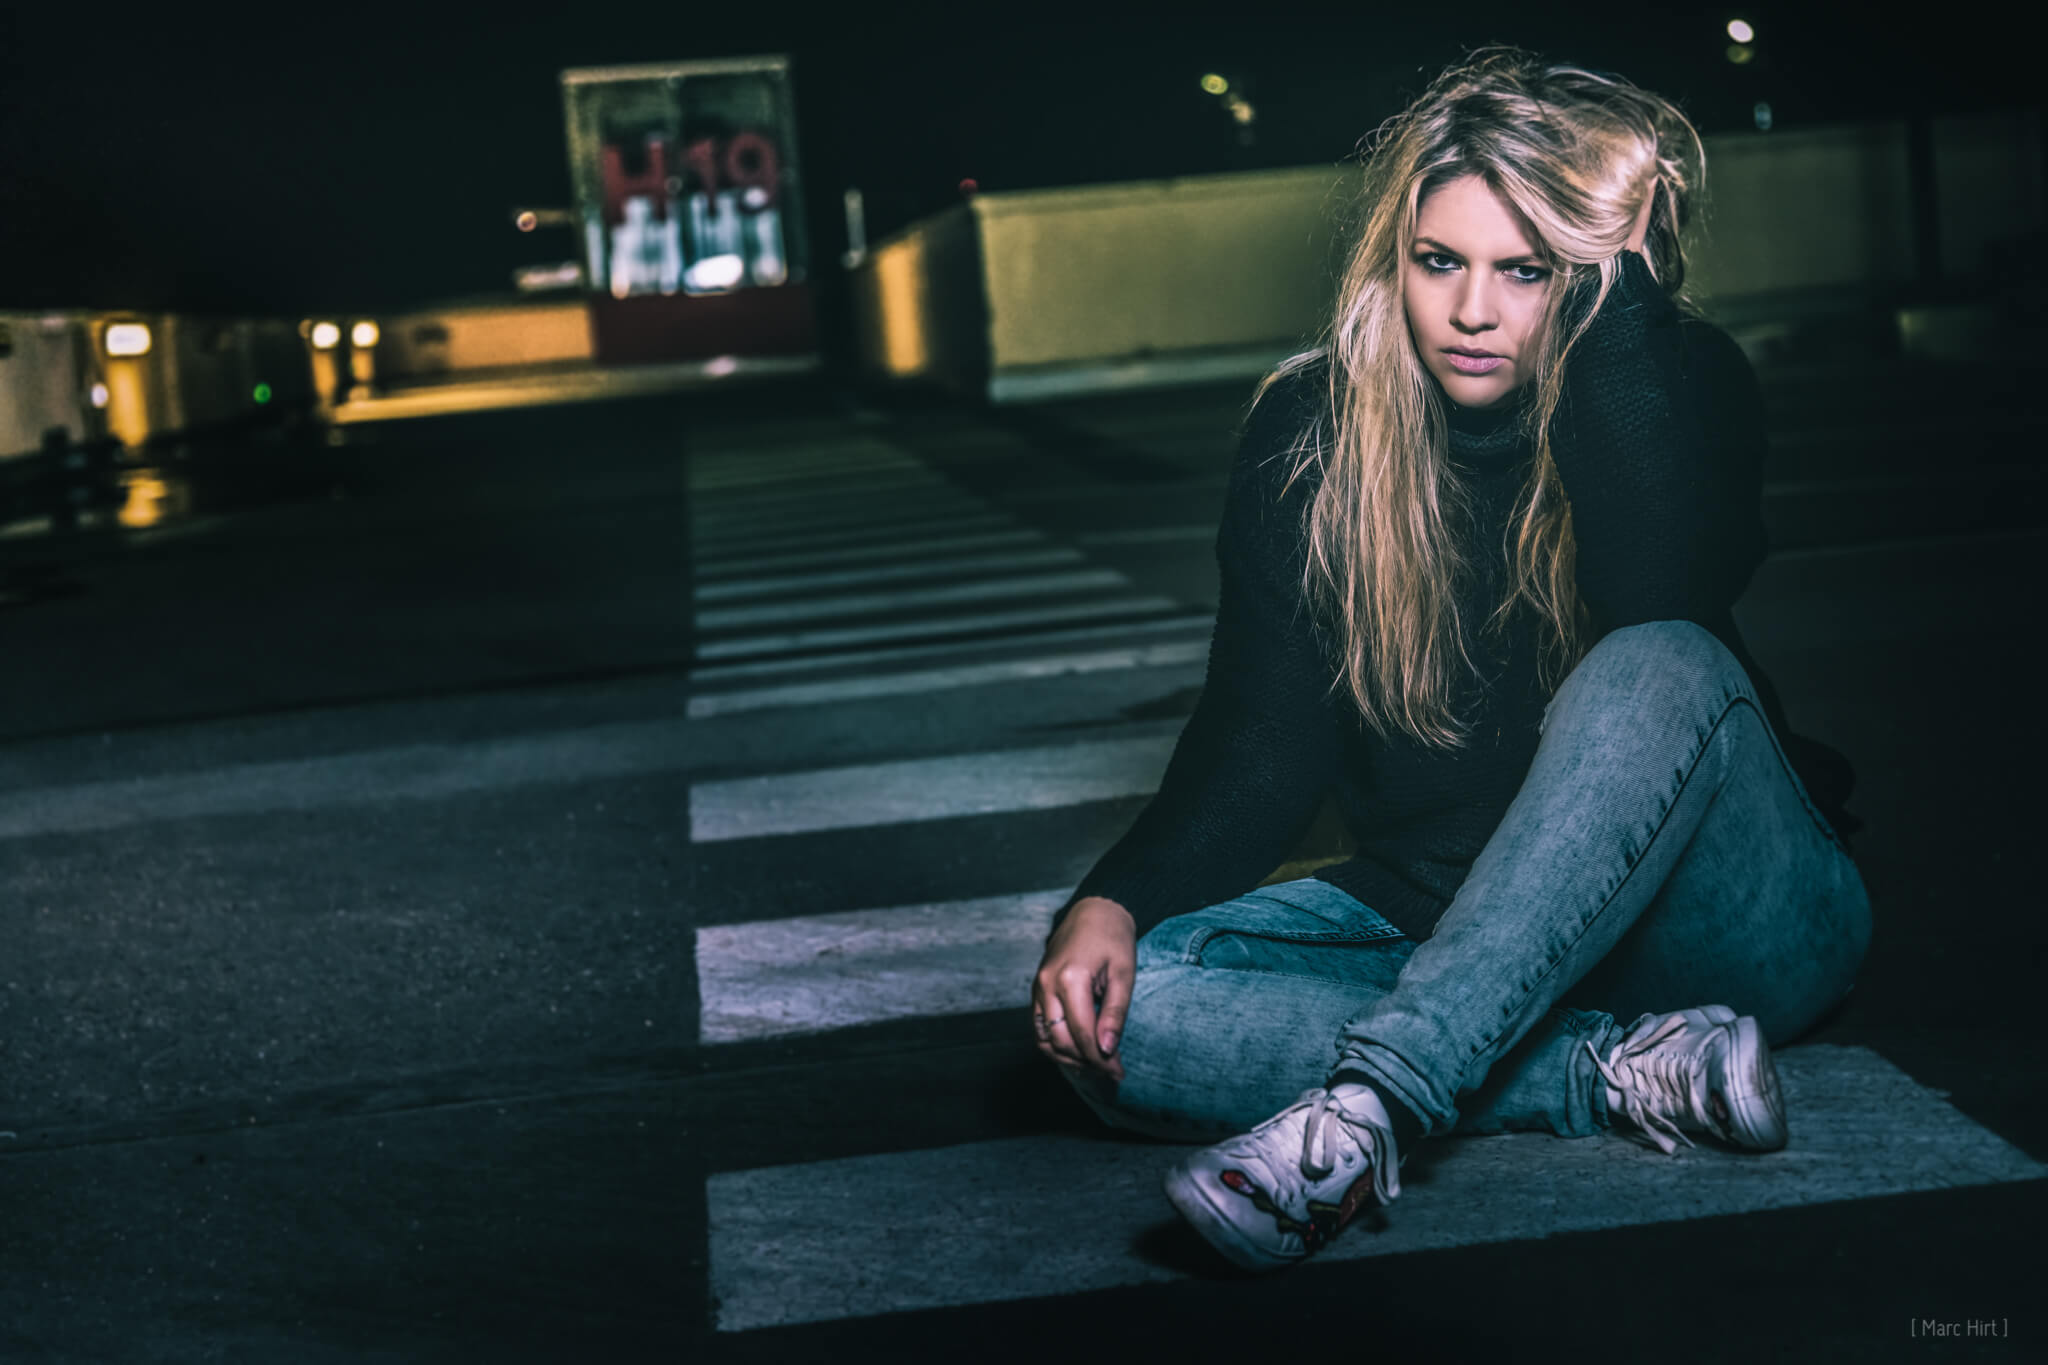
(1083, 986)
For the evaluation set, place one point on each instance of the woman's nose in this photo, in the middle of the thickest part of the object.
(1474, 309)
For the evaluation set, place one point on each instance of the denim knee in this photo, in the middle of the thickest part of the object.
(1673, 654)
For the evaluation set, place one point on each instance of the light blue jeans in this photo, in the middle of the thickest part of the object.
(1661, 854)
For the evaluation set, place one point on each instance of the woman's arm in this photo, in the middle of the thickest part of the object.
(1659, 442)
(1255, 760)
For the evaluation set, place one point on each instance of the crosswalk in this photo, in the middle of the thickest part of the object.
(814, 599)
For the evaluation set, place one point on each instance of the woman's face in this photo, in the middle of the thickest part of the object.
(1475, 289)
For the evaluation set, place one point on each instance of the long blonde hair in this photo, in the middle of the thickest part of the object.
(1572, 152)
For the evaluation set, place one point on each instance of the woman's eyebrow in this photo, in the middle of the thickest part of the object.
(1524, 259)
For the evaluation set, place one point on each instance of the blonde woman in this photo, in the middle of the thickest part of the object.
(1478, 556)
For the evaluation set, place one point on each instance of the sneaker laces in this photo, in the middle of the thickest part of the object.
(1332, 1122)
(1654, 1085)
(1331, 1136)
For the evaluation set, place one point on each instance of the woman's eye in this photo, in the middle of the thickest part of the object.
(1537, 274)
(1429, 261)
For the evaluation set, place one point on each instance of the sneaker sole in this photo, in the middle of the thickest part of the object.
(1756, 1112)
(1190, 1197)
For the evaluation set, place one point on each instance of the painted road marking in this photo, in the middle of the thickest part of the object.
(845, 606)
(916, 789)
(719, 570)
(893, 531)
(408, 773)
(708, 704)
(1200, 623)
(778, 977)
(993, 1221)
(748, 646)
(777, 584)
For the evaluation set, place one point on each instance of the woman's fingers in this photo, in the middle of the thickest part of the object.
(1048, 1022)
(1076, 987)
(1109, 1023)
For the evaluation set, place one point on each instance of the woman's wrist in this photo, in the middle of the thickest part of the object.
(1102, 905)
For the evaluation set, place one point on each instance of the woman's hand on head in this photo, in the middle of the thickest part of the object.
(1083, 985)
(1640, 232)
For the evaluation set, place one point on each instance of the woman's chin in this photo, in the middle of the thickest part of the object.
(1476, 391)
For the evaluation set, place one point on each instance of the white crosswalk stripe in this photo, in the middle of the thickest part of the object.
(940, 679)
(810, 555)
(810, 973)
(1032, 1217)
(926, 788)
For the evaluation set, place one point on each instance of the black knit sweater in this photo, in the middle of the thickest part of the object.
(1660, 444)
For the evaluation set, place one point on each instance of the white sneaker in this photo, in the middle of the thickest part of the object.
(1702, 1071)
(1279, 1193)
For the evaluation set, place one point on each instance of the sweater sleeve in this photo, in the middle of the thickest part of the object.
(1660, 445)
(1256, 758)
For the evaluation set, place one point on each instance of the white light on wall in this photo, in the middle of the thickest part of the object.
(128, 338)
(1740, 31)
(99, 395)
(363, 335)
(715, 272)
(326, 336)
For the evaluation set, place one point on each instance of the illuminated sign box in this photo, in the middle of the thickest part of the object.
(690, 203)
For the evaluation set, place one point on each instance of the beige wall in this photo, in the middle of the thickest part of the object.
(918, 304)
(486, 337)
(1151, 275)
(43, 381)
(1811, 209)
(1120, 270)
(1987, 170)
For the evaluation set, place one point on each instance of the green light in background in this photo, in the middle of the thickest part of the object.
(1215, 84)
(262, 394)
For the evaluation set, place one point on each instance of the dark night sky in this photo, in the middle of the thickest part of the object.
(239, 164)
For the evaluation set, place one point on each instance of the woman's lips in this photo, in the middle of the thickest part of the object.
(1476, 364)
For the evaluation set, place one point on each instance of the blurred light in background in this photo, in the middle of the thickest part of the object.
(261, 393)
(723, 364)
(1762, 113)
(1740, 31)
(326, 336)
(1241, 109)
(534, 279)
(1215, 84)
(970, 186)
(363, 334)
(527, 221)
(1739, 53)
(99, 395)
(128, 338)
(713, 272)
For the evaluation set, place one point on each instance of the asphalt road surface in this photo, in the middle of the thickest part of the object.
(561, 885)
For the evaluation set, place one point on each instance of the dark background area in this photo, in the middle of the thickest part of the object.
(367, 158)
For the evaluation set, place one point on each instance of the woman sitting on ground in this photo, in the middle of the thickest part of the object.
(1478, 554)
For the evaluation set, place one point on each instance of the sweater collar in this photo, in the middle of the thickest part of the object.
(1488, 438)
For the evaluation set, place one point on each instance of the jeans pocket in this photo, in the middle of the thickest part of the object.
(1304, 911)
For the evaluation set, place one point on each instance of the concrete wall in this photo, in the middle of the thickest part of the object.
(920, 304)
(45, 376)
(1987, 170)
(1161, 282)
(459, 339)
(1112, 271)
(1820, 209)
